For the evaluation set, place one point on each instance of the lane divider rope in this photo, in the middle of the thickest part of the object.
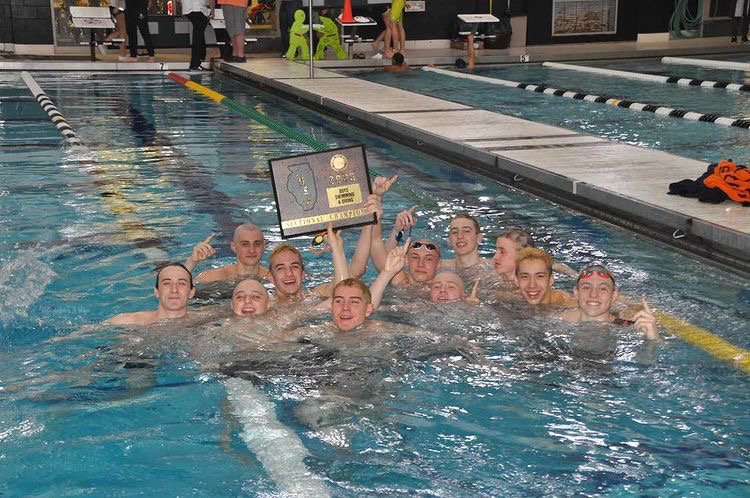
(655, 78)
(69, 135)
(615, 102)
(736, 66)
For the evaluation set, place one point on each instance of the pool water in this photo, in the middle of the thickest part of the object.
(565, 411)
(702, 141)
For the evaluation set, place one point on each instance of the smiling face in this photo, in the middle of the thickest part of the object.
(595, 294)
(350, 306)
(249, 298)
(423, 262)
(534, 280)
(248, 246)
(174, 289)
(506, 251)
(287, 273)
(446, 287)
(464, 237)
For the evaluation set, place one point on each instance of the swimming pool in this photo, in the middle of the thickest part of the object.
(570, 415)
(702, 141)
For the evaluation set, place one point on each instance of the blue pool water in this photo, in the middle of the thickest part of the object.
(570, 413)
(702, 141)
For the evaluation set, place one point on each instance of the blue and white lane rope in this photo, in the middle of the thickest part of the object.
(655, 78)
(735, 66)
(635, 106)
(53, 112)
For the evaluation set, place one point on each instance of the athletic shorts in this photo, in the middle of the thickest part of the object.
(235, 18)
(397, 10)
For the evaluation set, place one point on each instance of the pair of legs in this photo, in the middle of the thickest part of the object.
(198, 49)
(136, 18)
(740, 27)
(235, 18)
(393, 36)
(119, 32)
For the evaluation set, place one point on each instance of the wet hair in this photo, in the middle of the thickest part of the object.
(254, 279)
(282, 248)
(398, 58)
(424, 242)
(520, 236)
(460, 63)
(357, 284)
(246, 227)
(534, 253)
(469, 217)
(462, 284)
(167, 265)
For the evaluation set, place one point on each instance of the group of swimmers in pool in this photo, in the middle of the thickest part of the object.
(518, 272)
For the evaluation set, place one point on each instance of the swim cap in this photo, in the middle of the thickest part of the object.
(460, 63)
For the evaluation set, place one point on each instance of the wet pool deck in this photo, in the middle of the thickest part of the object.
(620, 183)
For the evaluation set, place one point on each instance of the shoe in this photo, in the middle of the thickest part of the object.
(102, 49)
(199, 67)
(377, 56)
(733, 40)
(361, 56)
(233, 58)
(745, 41)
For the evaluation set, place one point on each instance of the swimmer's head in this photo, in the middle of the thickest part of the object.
(174, 287)
(534, 274)
(249, 298)
(248, 244)
(423, 260)
(447, 286)
(595, 290)
(287, 270)
(506, 249)
(460, 63)
(465, 234)
(398, 58)
(350, 304)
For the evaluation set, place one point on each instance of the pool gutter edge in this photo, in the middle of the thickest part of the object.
(709, 241)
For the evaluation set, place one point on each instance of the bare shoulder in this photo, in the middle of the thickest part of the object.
(263, 272)
(447, 264)
(215, 274)
(572, 316)
(137, 318)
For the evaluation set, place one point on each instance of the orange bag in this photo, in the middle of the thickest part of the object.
(732, 179)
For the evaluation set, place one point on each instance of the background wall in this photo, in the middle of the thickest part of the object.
(26, 22)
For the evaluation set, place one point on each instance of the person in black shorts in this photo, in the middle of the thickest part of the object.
(136, 18)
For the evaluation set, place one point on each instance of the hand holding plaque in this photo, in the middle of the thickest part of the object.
(312, 190)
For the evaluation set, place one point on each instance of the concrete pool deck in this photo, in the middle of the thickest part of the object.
(619, 183)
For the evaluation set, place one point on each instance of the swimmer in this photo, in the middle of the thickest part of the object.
(446, 287)
(249, 298)
(535, 279)
(247, 244)
(351, 304)
(507, 246)
(173, 288)
(464, 237)
(595, 293)
(398, 64)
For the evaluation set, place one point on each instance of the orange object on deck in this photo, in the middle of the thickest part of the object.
(347, 16)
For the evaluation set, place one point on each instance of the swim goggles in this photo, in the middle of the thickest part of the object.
(595, 270)
(400, 234)
(427, 245)
(316, 246)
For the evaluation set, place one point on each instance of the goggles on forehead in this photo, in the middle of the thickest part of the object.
(599, 270)
(426, 245)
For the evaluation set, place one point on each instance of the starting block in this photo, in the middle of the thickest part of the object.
(472, 21)
(91, 18)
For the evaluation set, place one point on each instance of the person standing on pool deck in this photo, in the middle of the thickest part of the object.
(741, 20)
(198, 13)
(235, 16)
(397, 27)
(173, 288)
(248, 245)
(595, 292)
(136, 18)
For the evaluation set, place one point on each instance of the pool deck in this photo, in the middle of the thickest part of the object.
(619, 183)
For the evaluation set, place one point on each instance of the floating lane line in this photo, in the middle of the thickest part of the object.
(736, 66)
(627, 104)
(655, 78)
(134, 229)
(705, 340)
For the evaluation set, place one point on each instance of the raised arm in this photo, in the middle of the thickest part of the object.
(340, 265)
(361, 256)
(201, 251)
(393, 264)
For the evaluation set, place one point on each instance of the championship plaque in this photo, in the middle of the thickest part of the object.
(312, 190)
